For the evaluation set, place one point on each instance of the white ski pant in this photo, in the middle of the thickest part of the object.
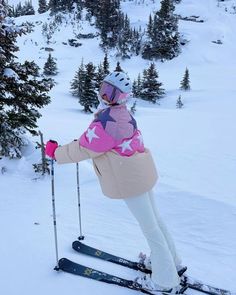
(164, 258)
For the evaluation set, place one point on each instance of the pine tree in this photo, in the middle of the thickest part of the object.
(77, 84)
(28, 8)
(150, 27)
(56, 6)
(42, 6)
(92, 6)
(88, 98)
(124, 39)
(11, 11)
(136, 42)
(84, 86)
(50, 67)
(22, 92)
(53, 6)
(108, 20)
(163, 36)
(100, 75)
(185, 83)
(106, 65)
(118, 67)
(179, 103)
(48, 31)
(151, 88)
(134, 88)
(137, 86)
(18, 10)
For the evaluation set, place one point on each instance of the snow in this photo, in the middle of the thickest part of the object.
(10, 73)
(194, 149)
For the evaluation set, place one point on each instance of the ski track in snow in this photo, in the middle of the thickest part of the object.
(194, 148)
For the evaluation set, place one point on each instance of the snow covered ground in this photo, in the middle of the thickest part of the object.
(194, 149)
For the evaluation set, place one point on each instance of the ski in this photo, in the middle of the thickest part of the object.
(202, 287)
(87, 250)
(91, 273)
(185, 280)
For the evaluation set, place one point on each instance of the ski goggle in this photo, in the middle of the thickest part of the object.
(112, 94)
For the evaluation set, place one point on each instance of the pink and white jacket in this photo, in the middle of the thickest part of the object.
(123, 166)
(113, 129)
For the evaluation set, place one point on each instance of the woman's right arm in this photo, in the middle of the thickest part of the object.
(73, 153)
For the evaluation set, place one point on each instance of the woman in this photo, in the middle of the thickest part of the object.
(126, 170)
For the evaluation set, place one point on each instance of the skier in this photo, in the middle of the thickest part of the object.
(126, 170)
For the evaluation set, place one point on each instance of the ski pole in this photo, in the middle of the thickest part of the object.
(54, 214)
(81, 237)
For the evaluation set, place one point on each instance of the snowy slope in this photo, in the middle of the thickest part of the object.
(194, 149)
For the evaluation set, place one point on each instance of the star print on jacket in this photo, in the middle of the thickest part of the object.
(126, 145)
(91, 134)
(113, 129)
(104, 117)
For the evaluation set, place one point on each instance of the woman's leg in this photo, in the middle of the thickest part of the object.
(164, 230)
(163, 266)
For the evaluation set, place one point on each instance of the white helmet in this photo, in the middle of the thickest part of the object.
(119, 80)
(115, 88)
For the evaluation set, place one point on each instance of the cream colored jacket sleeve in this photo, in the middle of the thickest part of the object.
(74, 153)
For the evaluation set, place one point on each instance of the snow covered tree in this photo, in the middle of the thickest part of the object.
(22, 92)
(18, 11)
(137, 86)
(48, 31)
(151, 88)
(11, 11)
(179, 103)
(163, 36)
(124, 39)
(28, 8)
(25, 9)
(50, 67)
(136, 41)
(64, 5)
(114, 26)
(108, 20)
(185, 83)
(42, 6)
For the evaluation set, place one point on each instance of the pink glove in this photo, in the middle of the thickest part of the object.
(50, 148)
